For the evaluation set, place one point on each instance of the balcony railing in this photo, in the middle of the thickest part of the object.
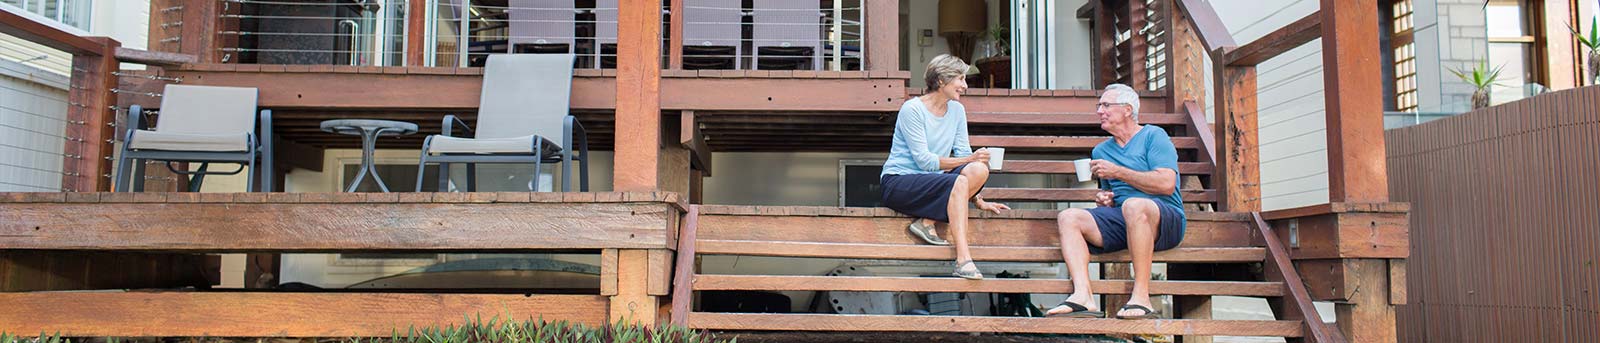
(717, 34)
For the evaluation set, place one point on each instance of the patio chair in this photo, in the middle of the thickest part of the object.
(542, 26)
(203, 124)
(605, 33)
(712, 27)
(788, 28)
(522, 118)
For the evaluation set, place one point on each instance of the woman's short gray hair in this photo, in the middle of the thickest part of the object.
(1126, 95)
(942, 69)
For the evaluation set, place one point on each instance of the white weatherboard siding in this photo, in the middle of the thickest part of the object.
(1294, 159)
(33, 112)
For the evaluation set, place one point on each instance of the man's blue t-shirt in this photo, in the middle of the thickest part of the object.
(1149, 149)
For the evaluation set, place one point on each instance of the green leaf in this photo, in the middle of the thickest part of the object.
(1594, 31)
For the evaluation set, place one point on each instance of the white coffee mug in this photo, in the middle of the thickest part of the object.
(997, 158)
(1082, 165)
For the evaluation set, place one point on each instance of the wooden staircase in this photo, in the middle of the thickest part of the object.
(1065, 135)
(1018, 236)
(1051, 140)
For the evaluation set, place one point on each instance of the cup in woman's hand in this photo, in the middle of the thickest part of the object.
(997, 157)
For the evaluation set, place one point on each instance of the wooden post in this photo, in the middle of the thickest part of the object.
(1238, 177)
(200, 22)
(416, 32)
(1105, 66)
(1186, 80)
(89, 108)
(1357, 170)
(638, 135)
(1185, 58)
(1368, 316)
(883, 35)
(675, 46)
(633, 301)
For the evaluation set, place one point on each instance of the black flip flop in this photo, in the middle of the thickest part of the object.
(1148, 313)
(1078, 311)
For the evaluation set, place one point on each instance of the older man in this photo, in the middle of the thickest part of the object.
(1139, 206)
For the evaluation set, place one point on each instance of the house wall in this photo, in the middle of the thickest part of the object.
(33, 93)
(33, 114)
(1294, 160)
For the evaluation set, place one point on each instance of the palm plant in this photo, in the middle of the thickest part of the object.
(1481, 78)
(1592, 42)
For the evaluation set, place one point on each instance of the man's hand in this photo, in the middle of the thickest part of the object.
(1105, 198)
(1105, 170)
(982, 155)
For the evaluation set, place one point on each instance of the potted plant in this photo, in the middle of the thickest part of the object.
(1481, 78)
(1592, 42)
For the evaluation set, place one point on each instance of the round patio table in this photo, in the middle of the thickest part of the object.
(369, 130)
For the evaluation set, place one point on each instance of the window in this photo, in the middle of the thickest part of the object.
(73, 13)
(858, 183)
(1513, 34)
(1405, 58)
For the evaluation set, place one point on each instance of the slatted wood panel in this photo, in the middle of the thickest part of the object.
(219, 222)
(818, 322)
(928, 285)
(882, 226)
(981, 253)
(1078, 194)
(1510, 258)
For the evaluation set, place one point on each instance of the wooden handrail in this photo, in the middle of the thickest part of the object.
(1199, 128)
(154, 58)
(1298, 301)
(1213, 35)
(1278, 42)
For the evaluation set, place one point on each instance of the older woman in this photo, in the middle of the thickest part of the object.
(932, 170)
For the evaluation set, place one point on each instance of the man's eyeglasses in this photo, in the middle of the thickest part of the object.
(1105, 105)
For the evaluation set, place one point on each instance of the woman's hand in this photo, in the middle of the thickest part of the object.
(982, 155)
(995, 208)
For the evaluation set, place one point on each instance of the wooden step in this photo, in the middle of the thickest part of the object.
(1066, 118)
(861, 225)
(704, 282)
(1033, 100)
(1066, 167)
(1077, 194)
(1067, 143)
(1050, 253)
(898, 323)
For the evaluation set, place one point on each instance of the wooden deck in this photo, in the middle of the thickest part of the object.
(633, 232)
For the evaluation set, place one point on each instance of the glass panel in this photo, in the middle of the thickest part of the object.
(1504, 20)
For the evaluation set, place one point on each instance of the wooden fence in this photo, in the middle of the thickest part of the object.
(1505, 221)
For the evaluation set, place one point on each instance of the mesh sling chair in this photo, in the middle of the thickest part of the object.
(788, 31)
(522, 118)
(204, 124)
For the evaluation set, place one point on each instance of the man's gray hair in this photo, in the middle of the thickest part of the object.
(1126, 95)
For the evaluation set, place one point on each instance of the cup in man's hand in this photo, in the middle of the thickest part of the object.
(1082, 166)
(997, 157)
